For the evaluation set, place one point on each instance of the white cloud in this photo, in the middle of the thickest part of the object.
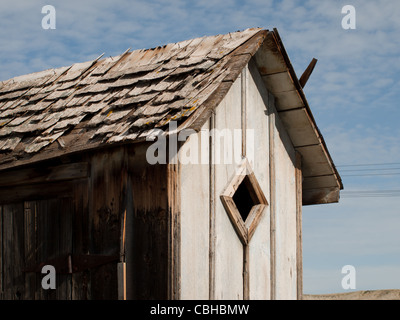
(363, 143)
(353, 90)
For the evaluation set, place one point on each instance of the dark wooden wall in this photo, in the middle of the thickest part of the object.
(109, 202)
(35, 232)
(147, 227)
(38, 219)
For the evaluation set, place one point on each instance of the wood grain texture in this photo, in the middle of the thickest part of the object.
(195, 208)
(13, 251)
(147, 250)
(1, 253)
(299, 228)
(258, 156)
(106, 210)
(81, 234)
(272, 187)
(174, 232)
(213, 199)
(30, 248)
(246, 272)
(229, 247)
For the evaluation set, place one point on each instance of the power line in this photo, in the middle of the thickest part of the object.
(370, 174)
(381, 169)
(371, 194)
(373, 171)
(371, 191)
(368, 165)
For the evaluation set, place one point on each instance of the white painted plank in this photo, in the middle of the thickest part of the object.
(286, 277)
(229, 249)
(195, 201)
(257, 146)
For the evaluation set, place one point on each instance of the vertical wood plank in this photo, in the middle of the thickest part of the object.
(126, 210)
(246, 275)
(285, 212)
(1, 252)
(148, 251)
(106, 197)
(30, 248)
(299, 236)
(122, 261)
(81, 232)
(41, 245)
(212, 212)
(48, 241)
(246, 250)
(258, 156)
(229, 248)
(243, 86)
(19, 251)
(121, 281)
(14, 281)
(7, 258)
(65, 231)
(129, 253)
(271, 117)
(53, 241)
(174, 232)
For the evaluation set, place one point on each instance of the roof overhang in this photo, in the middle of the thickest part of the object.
(321, 180)
(233, 52)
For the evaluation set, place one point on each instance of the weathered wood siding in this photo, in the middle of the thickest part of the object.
(13, 282)
(147, 239)
(195, 221)
(86, 206)
(37, 231)
(166, 222)
(285, 214)
(212, 253)
(271, 259)
(107, 181)
(228, 247)
(129, 196)
(258, 145)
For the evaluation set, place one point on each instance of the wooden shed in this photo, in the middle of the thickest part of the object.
(78, 192)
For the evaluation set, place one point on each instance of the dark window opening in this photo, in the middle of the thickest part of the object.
(245, 198)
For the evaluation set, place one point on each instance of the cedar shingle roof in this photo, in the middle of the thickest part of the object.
(115, 99)
(122, 99)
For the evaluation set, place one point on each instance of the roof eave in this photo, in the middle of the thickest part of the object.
(321, 180)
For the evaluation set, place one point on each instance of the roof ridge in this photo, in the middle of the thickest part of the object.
(43, 73)
(117, 98)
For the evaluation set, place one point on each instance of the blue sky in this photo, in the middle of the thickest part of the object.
(353, 93)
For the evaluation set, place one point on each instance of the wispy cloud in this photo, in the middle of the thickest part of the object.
(364, 142)
(353, 90)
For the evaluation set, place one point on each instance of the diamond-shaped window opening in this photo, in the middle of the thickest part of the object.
(244, 202)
